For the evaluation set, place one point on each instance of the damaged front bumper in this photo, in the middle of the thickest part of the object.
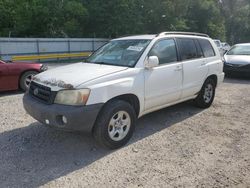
(72, 118)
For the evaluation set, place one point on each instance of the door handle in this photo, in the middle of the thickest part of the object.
(203, 63)
(178, 68)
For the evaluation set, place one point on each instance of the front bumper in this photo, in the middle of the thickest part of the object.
(221, 78)
(78, 118)
(234, 69)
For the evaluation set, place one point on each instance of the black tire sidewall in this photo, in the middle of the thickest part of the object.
(102, 124)
(200, 101)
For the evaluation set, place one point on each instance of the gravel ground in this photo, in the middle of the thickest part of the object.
(180, 146)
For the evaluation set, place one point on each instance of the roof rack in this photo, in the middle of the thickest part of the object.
(182, 33)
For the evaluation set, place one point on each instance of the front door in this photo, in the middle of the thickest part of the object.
(163, 84)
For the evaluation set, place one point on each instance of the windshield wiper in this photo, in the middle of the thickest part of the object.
(106, 63)
(101, 63)
(86, 61)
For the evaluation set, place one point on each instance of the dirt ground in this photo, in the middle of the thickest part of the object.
(180, 146)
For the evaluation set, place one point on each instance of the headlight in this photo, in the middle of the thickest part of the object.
(72, 97)
(43, 68)
(223, 59)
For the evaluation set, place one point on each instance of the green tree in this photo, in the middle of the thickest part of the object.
(48, 18)
(7, 14)
(204, 16)
(237, 20)
(223, 19)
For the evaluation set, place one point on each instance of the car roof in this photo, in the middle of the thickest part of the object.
(163, 34)
(242, 44)
(140, 37)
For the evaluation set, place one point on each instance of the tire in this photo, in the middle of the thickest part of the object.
(110, 130)
(206, 95)
(26, 79)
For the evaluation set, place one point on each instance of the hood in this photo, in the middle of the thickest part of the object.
(237, 59)
(71, 76)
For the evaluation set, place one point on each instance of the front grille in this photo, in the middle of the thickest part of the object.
(244, 68)
(42, 93)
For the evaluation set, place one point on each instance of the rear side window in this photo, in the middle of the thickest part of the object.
(187, 49)
(199, 50)
(207, 48)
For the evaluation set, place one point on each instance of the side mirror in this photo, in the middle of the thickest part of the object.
(152, 61)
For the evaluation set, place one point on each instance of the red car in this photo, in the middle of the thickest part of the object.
(17, 75)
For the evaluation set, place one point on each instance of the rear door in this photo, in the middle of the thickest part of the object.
(195, 67)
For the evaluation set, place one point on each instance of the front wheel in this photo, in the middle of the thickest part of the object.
(206, 95)
(115, 124)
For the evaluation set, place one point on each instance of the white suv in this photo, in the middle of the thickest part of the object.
(124, 80)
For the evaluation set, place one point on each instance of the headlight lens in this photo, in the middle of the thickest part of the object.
(223, 59)
(43, 68)
(72, 97)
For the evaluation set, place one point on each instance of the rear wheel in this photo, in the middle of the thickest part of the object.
(115, 124)
(206, 95)
(26, 79)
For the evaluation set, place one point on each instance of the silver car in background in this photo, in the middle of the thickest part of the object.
(237, 60)
(220, 47)
(225, 46)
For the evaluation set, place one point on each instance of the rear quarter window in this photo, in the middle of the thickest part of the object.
(207, 48)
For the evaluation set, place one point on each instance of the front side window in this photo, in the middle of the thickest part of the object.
(165, 50)
(187, 49)
(119, 53)
(206, 48)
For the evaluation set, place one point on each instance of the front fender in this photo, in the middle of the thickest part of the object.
(103, 92)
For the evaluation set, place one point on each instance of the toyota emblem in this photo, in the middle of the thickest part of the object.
(36, 91)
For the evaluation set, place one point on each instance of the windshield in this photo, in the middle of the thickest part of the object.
(239, 50)
(119, 53)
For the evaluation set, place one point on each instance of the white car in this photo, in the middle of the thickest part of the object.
(124, 80)
(237, 60)
(219, 44)
(226, 47)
